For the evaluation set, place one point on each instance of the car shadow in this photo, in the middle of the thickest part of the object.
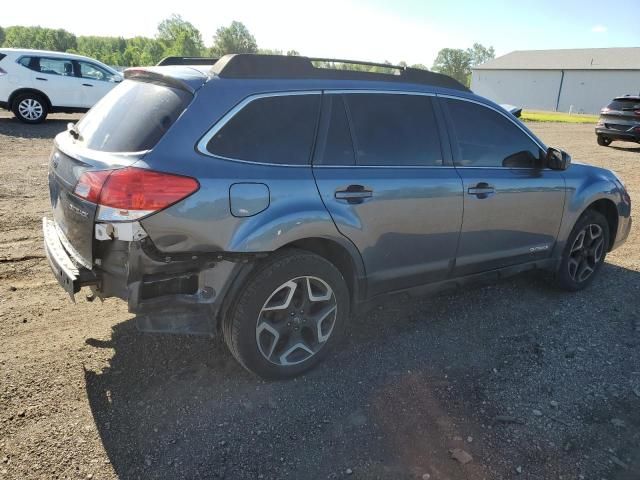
(412, 376)
(12, 127)
(626, 149)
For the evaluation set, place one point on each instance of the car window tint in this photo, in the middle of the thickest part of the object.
(338, 147)
(623, 104)
(93, 72)
(56, 66)
(132, 117)
(277, 129)
(391, 129)
(485, 138)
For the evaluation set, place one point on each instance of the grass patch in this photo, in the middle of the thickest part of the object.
(535, 116)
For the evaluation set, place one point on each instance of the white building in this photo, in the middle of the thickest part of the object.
(584, 80)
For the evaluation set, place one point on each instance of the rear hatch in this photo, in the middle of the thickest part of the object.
(117, 132)
(622, 114)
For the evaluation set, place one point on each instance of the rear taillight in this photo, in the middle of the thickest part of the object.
(131, 193)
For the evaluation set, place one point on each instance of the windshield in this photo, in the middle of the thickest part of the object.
(132, 117)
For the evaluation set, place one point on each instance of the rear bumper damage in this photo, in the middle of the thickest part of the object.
(177, 293)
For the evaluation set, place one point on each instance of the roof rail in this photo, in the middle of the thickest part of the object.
(186, 61)
(247, 65)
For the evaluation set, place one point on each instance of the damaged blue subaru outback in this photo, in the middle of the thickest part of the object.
(268, 198)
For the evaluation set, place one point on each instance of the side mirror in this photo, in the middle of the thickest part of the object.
(557, 159)
(116, 78)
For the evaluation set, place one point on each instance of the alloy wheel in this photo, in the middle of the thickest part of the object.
(586, 252)
(296, 320)
(30, 108)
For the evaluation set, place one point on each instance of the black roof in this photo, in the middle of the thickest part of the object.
(258, 66)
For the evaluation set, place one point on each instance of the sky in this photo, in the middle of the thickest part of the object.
(373, 30)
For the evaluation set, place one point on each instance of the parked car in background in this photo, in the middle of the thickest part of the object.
(34, 83)
(620, 120)
(267, 199)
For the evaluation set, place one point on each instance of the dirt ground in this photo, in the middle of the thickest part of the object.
(533, 383)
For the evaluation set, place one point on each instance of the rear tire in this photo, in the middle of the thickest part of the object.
(289, 314)
(30, 108)
(603, 141)
(584, 252)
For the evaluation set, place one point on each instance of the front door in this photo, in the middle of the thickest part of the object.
(389, 186)
(512, 204)
(95, 82)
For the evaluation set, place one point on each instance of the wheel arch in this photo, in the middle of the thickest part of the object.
(608, 209)
(344, 256)
(34, 91)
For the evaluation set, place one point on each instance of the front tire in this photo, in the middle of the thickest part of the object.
(30, 108)
(585, 252)
(603, 141)
(290, 313)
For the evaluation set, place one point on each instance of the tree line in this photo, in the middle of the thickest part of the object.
(177, 37)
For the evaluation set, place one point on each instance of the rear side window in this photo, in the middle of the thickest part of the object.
(278, 129)
(56, 66)
(335, 146)
(394, 129)
(2, 55)
(485, 138)
(132, 117)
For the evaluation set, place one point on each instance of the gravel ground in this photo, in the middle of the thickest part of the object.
(530, 382)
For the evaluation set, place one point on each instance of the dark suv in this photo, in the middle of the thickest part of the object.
(269, 197)
(620, 120)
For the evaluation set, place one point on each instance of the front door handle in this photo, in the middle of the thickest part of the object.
(42, 79)
(354, 194)
(481, 190)
(87, 85)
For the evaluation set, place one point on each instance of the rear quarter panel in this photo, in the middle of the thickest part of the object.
(203, 222)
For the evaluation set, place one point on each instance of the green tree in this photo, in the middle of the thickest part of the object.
(180, 37)
(419, 66)
(480, 54)
(454, 62)
(235, 38)
(1, 36)
(38, 37)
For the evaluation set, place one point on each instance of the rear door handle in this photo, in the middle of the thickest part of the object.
(40, 78)
(481, 190)
(354, 194)
(87, 85)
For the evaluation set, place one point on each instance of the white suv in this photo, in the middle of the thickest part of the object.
(36, 82)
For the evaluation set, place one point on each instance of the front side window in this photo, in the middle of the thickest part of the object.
(93, 72)
(394, 129)
(278, 129)
(56, 66)
(485, 138)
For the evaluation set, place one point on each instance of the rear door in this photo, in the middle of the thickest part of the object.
(95, 82)
(389, 185)
(56, 78)
(512, 204)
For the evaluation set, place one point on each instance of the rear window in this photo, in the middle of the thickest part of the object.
(132, 117)
(278, 129)
(624, 104)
